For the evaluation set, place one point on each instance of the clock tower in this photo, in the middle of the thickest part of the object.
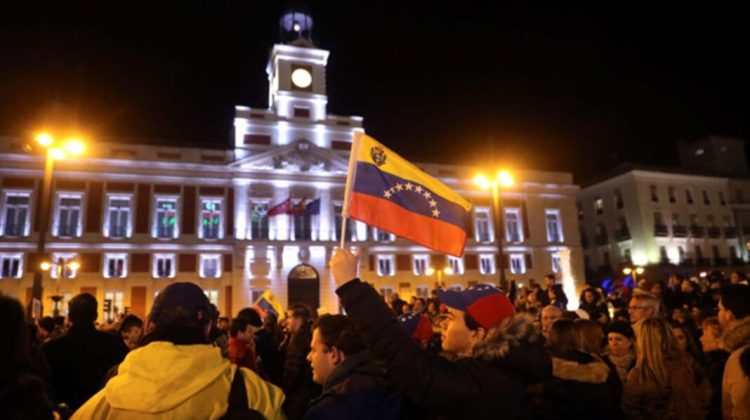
(297, 70)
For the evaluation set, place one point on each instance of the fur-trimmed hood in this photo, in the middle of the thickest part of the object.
(595, 372)
(736, 335)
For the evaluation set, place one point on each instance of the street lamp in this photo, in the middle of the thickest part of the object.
(440, 271)
(503, 179)
(62, 271)
(53, 150)
(635, 271)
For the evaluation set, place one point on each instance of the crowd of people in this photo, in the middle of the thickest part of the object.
(677, 349)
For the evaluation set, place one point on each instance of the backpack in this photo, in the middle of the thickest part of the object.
(239, 408)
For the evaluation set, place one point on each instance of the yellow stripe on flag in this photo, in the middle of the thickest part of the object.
(398, 166)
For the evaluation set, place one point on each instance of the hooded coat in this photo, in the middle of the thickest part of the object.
(166, 381)
(492, 382)
(735, 398)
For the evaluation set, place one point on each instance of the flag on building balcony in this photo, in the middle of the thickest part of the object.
(387, 191)
(268, 304)
(282, 208)
(259, 212)
(299, 209)
(313, 208)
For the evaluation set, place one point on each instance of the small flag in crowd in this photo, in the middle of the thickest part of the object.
(268, 304)
(387, 191)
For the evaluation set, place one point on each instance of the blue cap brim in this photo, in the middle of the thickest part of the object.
(452, 299)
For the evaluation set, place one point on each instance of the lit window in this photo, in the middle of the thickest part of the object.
(15, 214)
(210, 266)
(116, 304)
(456, 264)
(164, 266)
(420, 264)
(423, 291)
(386, 292)
(118, 222)
(67, 222)
(599, 206)
(213, 296)
(11, 266)
(211, 218)
(482, 225)
(62, 267)
(115, 266)
(517, 263)
(258, 219)
(555, 262)
(166, 218)
(386, 265)
(513, 225)
(383, 236)
(554, 226)
(487, 264)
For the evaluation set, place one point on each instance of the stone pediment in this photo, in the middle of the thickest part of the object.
(299, 156)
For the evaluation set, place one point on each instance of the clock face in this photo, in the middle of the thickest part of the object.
(301, 78)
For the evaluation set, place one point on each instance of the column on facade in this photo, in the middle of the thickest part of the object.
(280, 225)
(325, 224)
(241, 210)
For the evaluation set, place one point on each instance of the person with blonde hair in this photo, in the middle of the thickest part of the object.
(660, 386)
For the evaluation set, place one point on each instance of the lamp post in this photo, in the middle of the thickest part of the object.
(52, 152)
(62, 272)
(447, 270)
(635, 271)
(503, 179)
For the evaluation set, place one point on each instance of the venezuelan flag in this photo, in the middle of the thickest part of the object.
(386, 191)
(267, 303)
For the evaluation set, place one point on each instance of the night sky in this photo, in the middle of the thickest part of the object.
(572, 88)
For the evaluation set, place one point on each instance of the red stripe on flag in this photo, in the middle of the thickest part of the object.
(426, 231)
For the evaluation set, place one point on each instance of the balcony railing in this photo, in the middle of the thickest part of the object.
(730, 232)
(679, 231)
(720, 262)
(661, 230)
(736, 261)
(687, 262)
(696, 231)
(713, 232)
(703, 262)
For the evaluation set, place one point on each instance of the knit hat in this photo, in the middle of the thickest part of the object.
(417, 325)
(486, 304)
(191, 304)
(622, 328)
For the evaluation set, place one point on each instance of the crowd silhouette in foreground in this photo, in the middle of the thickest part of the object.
(674, 348)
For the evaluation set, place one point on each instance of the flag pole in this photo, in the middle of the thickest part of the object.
(350, 175)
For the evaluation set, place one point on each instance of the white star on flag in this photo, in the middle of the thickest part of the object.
(409, 186)
(433, 203)
(418, 189)
(387, 194)
(399, 187)
(436, 213)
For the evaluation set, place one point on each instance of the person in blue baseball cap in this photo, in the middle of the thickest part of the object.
(492, 354)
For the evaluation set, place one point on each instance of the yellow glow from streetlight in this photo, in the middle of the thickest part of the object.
(74, 265)
(44, 139)
(45, 265)
(75, 147)
(639, 270)
(430, 271)
(627, 271)
(482, 182)
(57, 154)
(505, 178)
(448, 271)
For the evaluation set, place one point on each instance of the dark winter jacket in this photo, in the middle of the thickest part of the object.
(582, 387)
(492, 382)
(715, 361)
(679, 399)
(736, 384)
(79, 361)
(357, 389)
(598, 311)
(271, 357)
(298, 385)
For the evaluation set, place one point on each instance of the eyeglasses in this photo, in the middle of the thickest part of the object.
(635, 308)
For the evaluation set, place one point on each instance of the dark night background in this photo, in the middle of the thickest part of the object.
(572, 88)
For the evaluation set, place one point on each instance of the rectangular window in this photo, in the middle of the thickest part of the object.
(579, 208)
(302, 227)
(722, 201)
(116, 304)
(213, 296)
(210, 266)
(211, 218)
(382, 236)
(258, 220)
(456, 264)
(482, 225)
(11, 266)
(654, 194)
(118, 223)
(164, 266)
(599, 206)
(556, 268)
(338, 219)
(68, 223)
(423, 291)
(710, 220)
(420, 263)
(517, 263)
(513, 225)
(706, 198)
(688, 196)
(658, 219)
(386, 265)
(166, 218)
(727, 221)
(386, 292)
(64, 266)
(672, 197)
(115, 266)
(554, 226)
(16, 214)
(487, 264)
(619, 203)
